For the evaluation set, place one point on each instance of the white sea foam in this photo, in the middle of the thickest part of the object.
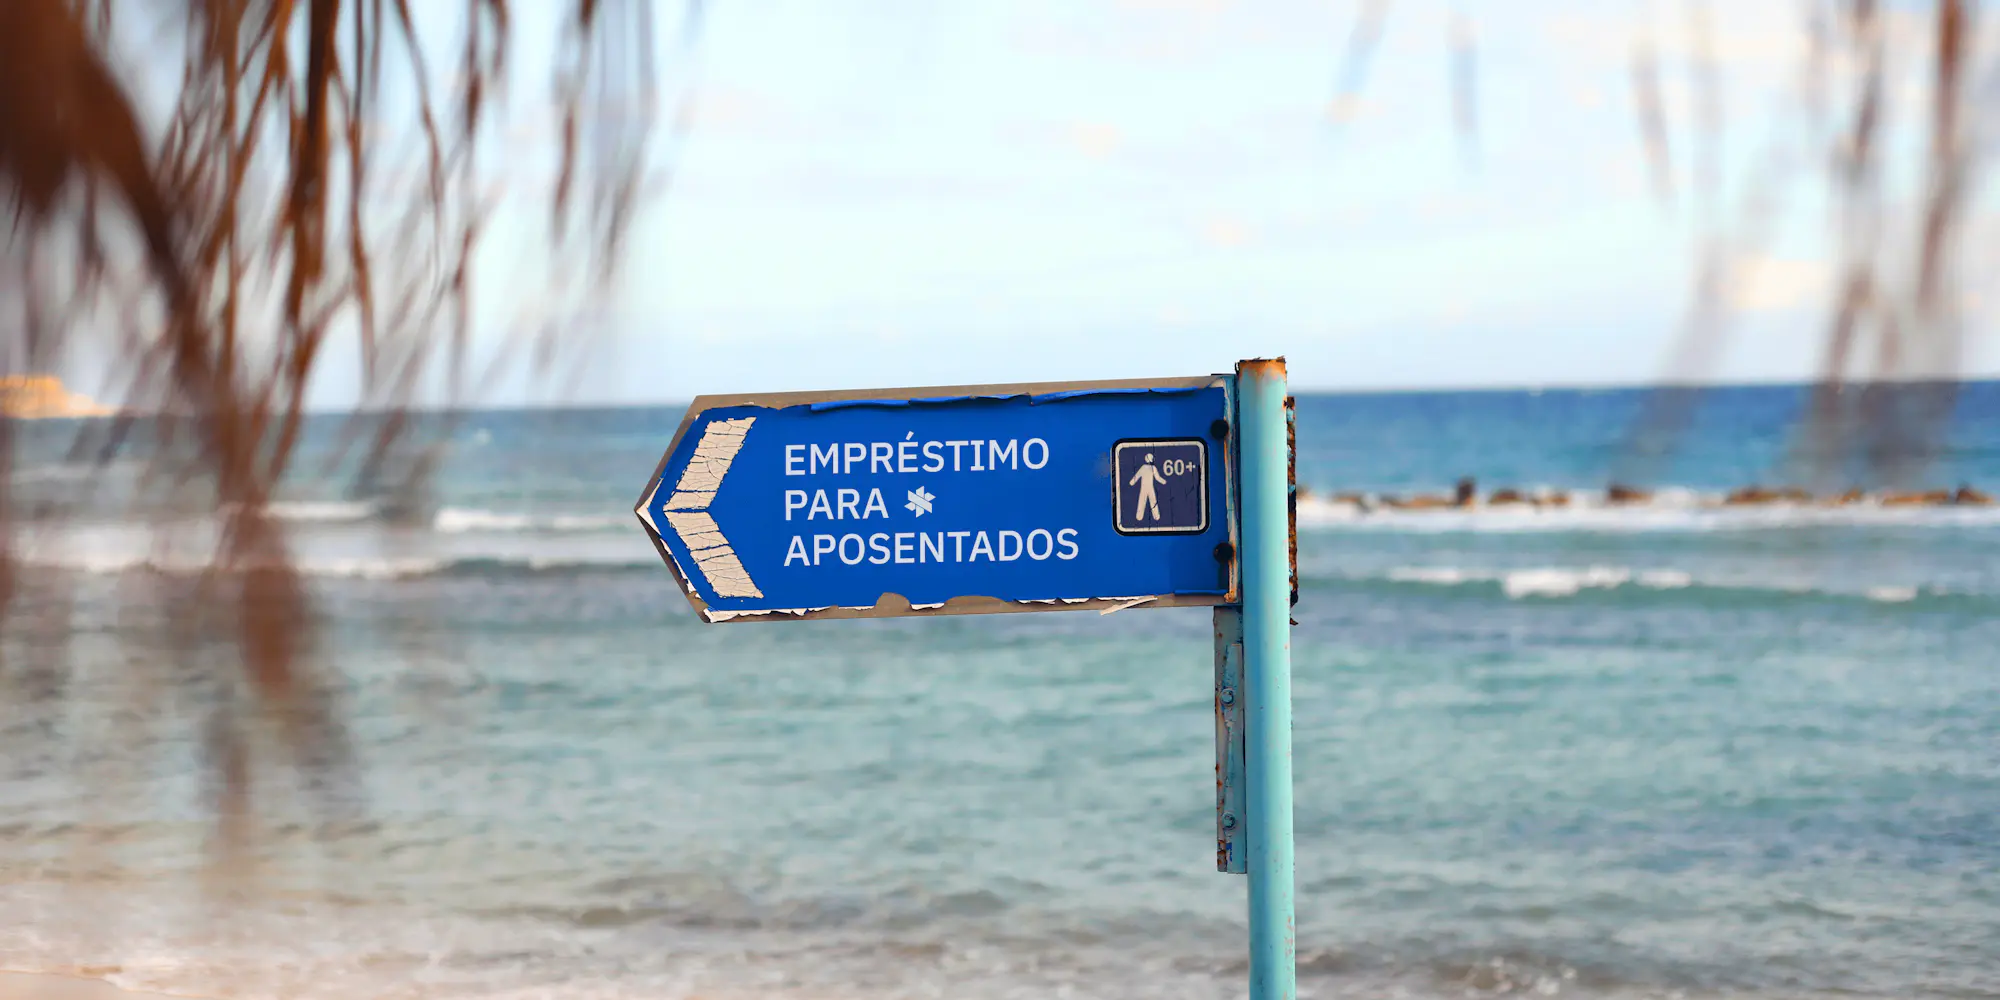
(1666, 579)
(457, 519)
(460, 520)
(449, 520)
(324, 511)
(106, 549)
(354, 568)
(1448, 576)
(1892, 595)
(1558, 582)
(1674, 510)
(111, 564)
(1543, 581)
(1568, 581)
(591, 522)
(54, 472)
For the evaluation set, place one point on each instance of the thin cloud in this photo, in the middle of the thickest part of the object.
(1348, 107)
(1097, 140)
(1228, 233)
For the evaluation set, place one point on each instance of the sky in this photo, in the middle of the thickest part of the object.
(905, 192)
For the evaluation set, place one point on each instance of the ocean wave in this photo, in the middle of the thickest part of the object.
(1672, 510)
(1568, 581)
(325, 511)
(356, 568)
(462, 520)
(55, 472)
(449, 520)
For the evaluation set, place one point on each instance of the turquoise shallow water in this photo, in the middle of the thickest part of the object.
(1604, 753)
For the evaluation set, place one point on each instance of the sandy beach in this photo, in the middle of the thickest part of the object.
(26, 986)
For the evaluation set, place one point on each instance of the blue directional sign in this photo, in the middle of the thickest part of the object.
(956, 500)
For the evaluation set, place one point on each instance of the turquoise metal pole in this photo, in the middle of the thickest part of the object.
(1267, 667)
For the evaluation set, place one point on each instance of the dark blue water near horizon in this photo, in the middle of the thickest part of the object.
(1660, 750)
(1726, 438)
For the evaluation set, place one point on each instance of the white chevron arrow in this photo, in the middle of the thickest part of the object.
(687, 508)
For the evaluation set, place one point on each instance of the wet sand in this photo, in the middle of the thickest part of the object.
(25, 986)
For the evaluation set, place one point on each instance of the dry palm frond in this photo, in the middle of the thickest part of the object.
(1894, 342)
(1461, 46)
(222, 240)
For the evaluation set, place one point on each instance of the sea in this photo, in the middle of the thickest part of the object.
(1661, 750)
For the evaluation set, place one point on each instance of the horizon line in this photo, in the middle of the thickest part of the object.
(1395, 390)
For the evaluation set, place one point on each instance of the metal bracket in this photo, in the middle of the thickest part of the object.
(1292, 488)
(1231, 842)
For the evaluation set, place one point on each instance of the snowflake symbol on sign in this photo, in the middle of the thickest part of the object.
(920, 501)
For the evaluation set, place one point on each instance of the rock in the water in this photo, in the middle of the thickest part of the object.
(1750, 496)
(1618, 493)
(1931, 498)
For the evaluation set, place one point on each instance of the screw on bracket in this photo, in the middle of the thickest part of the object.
(1229, 696)
(1229, 821)
(1219, 430)
(1224, 552)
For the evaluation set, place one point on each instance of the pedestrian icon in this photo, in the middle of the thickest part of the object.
(1160, 487)
(1146, 478)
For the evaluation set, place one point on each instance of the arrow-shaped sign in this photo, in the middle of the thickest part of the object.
(686, 508)
(949, 500)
